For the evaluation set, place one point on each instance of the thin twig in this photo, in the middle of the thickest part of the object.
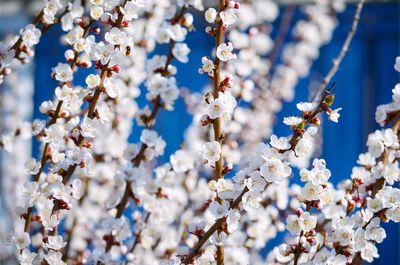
(55, 115)
(219, 38)
(282, 33)
(189, 258)
(345, 48)
(149, 122)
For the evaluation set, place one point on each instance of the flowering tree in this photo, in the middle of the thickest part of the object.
(93, 197)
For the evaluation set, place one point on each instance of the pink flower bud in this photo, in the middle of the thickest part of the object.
(115, 68)
(205, 120)
(64, 114)
(6, 71)
(227, 168)
(347, 254)
(299, 212)
(317, 204)
(316, 121)
(96, 30)
(253, 31)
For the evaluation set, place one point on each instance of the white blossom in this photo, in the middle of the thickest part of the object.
(281, 143)
(292, 121)
(149, 137)
(228, 16)
(92, 80)
(373, 231)
(218, 238)
(375, 145)
(219, 210)
(224, 52)
(21, 239)
(26, 257)
(132, 8)
(207, 67)
(210, 15)
(96, 12)
(182, 161)
(397, 64)
(251, 200)
(177, 33)
(369, 252)
(32, 166)
(111, 87)
(55, 242)
(211, 151)
(181, 52)
(275, 170)
(62, 72)
(311, 192)
(334, 115)
(31, 35)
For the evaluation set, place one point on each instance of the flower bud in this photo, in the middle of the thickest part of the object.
(64, 114)
(347, 254)
(6, 71)
(96, 30)
(227, 168)
(253, 31)
(311, 240)
(205, 120)
(234, 4)
(299, 212)
(317, 204)
(316, 121)
(351, 204)
(115, 68)
(210, 30)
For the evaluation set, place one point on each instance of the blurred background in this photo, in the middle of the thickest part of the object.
(365, 79)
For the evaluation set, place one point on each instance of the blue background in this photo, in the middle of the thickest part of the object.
(364, 80)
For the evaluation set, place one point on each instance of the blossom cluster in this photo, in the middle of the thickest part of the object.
(271, 83)
(21, 47)
(68, 139)
(95, 196)
(352, 213)
(245, 196)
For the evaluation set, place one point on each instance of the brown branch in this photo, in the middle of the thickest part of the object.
(35, 22)
(196, 250)
(45, 27)
(71, 231)
(299, 245)
(293, 142)
(282, 33)
(219, 38)
(138, 236)
(378, 185)
(149, 122)
(217, 80)
(91, 115)
(54, 117)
